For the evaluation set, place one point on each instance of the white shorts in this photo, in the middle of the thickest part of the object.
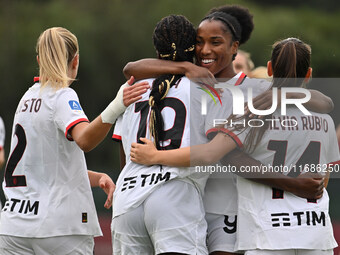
(221, 232)
(289, 252)
(171, 219)
(59, 245)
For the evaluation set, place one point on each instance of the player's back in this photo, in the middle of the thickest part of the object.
(137, 181)
(274, 219)
(46, 176)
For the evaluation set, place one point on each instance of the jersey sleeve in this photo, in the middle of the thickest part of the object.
(117, 134)
(68, 112)
(332, 154)
(2, 134)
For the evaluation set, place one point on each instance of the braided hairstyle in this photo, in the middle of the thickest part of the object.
(237, 20)
(174, 39)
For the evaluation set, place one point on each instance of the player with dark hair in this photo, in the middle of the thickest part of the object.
(159, 209)
(272, 221)
(216, 46)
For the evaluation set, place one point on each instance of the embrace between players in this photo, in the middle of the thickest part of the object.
(161, 205)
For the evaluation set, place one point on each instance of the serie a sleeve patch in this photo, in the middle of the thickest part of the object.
(74, 105)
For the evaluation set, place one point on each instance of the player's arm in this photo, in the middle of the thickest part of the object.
(2, 157)
(306, 185)
(202, 154)
(318, 102)
(103, 181)
(151, 67)
(89, 135)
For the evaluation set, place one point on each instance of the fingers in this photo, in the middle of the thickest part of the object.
(131, 80)
(134, 93)
(108, 202)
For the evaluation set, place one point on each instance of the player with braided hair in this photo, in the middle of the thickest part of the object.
(159, 209)
(218, 37)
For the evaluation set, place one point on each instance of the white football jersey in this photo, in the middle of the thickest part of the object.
(220, 192)
(273, 219)
(136, 181)
(2, 134)
(46, 183)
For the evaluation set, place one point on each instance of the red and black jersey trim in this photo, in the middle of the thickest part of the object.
(240, 79)
(116, 138)
(211, 133)
(71, 125)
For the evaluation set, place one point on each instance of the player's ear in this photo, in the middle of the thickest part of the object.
(38, 59)
(75, 61)
(308, 74)
(269, 68)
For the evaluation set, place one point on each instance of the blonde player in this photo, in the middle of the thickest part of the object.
(49, 205)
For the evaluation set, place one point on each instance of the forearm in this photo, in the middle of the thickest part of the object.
(152, 67)
(305, 186)
(94, 178)
(242, 160)
(2, 157)
(89, 135)
(318, 103)
(177, 158)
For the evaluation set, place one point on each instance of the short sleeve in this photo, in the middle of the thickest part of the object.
(68, 112)
(332, 154)
(117, 134)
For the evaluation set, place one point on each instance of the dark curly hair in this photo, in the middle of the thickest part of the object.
(174, 39)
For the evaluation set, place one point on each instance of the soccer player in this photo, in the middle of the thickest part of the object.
(159, 209)
(270, 220)
(49, 205)
(218, 37)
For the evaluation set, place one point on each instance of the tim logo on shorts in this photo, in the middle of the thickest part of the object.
(74, 105)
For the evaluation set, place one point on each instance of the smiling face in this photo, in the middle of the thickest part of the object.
(215, 49)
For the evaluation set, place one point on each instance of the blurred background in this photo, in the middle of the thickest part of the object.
(114, 32)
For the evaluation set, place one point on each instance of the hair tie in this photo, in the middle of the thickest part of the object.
(190, 48)
(173, 45)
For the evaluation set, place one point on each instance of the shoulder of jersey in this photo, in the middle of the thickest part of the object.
(256, 82)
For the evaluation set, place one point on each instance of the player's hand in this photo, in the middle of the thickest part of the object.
(200, 75)
(134, 92)
(309, 185)
(143, 153)
(106, 184)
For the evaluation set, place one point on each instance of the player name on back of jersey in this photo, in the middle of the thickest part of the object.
(293, 123)
(31, 105)
(21, 206)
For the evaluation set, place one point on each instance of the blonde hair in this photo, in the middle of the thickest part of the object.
(56, 48)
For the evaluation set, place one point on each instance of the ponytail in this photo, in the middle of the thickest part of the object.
(174, 39)
(56, 48)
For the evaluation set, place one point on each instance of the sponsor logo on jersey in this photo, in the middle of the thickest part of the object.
(309, 218)
(74, 105)
(145, 180)
(21, 206)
